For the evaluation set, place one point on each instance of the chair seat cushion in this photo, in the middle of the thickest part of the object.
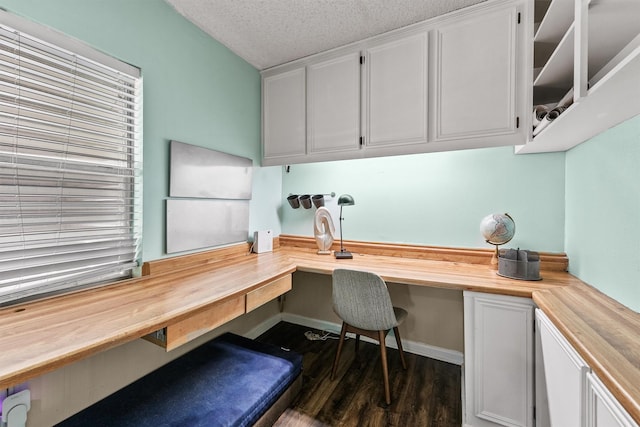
(229, 381)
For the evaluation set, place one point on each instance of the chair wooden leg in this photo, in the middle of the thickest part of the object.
(385, 372)
(399, 341)
(343, 332)
(357, 343)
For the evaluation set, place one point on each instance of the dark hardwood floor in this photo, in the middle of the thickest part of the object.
(426, 394)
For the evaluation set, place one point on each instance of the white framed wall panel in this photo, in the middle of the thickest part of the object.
(201, 223)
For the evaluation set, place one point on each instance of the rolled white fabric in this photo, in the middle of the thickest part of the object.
(548, 118)
(543, 124)
(553, 114)
(539, 111)
(566, 100)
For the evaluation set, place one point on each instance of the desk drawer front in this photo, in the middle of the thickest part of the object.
(268, 292)
(204, 321)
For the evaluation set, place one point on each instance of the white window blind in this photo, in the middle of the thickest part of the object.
(70, 168)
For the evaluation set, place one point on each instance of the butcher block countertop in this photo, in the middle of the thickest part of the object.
(39, 337)
(604, 332)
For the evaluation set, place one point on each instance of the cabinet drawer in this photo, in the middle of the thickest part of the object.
(204, 321)
(268, 292)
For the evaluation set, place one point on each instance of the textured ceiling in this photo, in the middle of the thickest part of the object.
(271, 32)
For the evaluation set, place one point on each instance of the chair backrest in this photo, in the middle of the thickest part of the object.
(361, 299)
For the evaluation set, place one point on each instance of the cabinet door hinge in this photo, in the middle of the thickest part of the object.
(361, 140)
(517, 122)
(361, 59)
(518, 17)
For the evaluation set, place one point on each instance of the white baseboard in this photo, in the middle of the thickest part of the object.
(433, 352)
(263, 327)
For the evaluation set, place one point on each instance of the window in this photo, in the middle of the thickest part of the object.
(70, 163)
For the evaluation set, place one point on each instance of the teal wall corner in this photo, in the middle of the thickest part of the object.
(603, 212)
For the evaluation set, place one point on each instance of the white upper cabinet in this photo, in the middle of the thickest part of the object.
(284, 115)
(452, 82)
(396, 80)
(476, 78)
(333, 104)
(587, 60)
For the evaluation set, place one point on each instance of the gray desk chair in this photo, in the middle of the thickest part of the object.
(361, 299)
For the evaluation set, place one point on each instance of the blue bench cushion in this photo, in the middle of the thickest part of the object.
(229, 381)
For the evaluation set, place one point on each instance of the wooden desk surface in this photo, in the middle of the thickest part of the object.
(604, 332)
(438, 274)
(41, 336)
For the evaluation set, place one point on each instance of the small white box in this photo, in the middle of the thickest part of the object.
(262, 241)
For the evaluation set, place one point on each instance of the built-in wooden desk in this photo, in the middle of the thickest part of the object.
(437, 274)
(604, 332)
(41, 336)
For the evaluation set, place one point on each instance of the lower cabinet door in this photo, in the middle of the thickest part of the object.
(565, 372)
(603, 410)
(499, 360)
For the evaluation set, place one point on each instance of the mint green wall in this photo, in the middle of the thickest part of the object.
(603, 212)
(438, 198)
(195, 91)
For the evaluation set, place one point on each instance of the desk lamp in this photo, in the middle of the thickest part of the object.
(344, 200)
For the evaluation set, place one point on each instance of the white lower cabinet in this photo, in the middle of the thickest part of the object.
(565, 374)
(603, 410)
(575, 395)
(498, 360)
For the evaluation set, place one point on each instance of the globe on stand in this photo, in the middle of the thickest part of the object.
(497, 229)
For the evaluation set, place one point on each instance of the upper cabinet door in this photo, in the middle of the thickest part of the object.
(476, 76)
(284, 115)
(396, 79)
(333, 104)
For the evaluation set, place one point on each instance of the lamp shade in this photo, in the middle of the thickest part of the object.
(346, 200)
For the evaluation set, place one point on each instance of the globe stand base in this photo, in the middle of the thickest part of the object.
(494, 258)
